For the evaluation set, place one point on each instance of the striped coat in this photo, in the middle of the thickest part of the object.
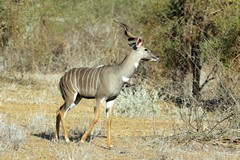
(82, 81)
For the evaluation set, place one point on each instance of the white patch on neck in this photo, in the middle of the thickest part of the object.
(125, 79)
(136, 64)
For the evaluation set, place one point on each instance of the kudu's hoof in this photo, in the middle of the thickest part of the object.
(82, 141)
(110, 146)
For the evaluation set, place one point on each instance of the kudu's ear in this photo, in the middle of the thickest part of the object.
(139, 42)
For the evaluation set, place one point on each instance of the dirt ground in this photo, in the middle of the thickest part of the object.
(128, 134)
(133, 137)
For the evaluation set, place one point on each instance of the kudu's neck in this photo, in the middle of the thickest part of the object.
(128, 66)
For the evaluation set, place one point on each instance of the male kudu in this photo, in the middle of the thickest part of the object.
(101, 83)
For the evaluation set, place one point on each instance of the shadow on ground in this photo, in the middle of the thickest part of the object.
(74, 136)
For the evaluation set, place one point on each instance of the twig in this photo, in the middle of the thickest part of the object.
(215, 12)
(188, 123)
(220, 122)
(208, 79)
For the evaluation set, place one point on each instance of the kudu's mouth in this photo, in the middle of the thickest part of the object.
(154, 59)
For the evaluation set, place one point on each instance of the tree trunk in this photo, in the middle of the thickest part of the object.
(196, 70)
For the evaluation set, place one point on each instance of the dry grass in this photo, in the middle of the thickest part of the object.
(37, 88)
(146, 125)
(27, 127)
(12, 136)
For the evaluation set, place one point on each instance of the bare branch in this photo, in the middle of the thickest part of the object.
(229, 116)
(208, 79)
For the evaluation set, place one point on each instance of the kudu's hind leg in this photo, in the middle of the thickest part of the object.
(61, 113)
(58, 118)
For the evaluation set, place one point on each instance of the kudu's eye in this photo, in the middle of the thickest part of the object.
(146, 50)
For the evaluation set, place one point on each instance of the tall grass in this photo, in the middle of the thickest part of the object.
(45, 36)
(42, 39)
(29, 88)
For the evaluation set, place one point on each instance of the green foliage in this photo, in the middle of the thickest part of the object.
(229, 26)
(165, 23)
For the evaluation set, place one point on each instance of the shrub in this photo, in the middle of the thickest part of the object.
(138, 101)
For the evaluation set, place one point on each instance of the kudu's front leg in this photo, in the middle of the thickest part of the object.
(96, 118)
(109, 111)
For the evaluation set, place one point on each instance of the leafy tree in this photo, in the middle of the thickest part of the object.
(182, 27)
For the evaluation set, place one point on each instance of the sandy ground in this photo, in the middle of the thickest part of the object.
(129, 134)
(27, 132)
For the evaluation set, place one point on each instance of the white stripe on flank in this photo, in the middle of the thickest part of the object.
(99, 71)
(87, 83)
(78, 81)
(93, 80)
(83, 81)
(70, 80)
(67, 83)
(63, 92)
(75, 80)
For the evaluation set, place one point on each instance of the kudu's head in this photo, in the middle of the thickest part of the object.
(142, 52)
